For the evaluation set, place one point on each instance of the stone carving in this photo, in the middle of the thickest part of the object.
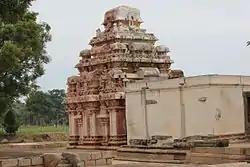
(120, 53)
(98, 32)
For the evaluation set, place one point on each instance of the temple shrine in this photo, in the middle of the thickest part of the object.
(121, 53)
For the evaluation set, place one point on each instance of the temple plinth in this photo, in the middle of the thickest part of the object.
(122, 52)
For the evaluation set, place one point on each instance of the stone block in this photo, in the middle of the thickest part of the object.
(107, 154)
(247, 151)
(84, 156)
(90, 163)
(100, 162)
(161, 137)
(64, 161)
(37, 165)
(96, 155)
(207, 158)
(211, 150)
(64, 165)
(109, 161)
(24, 161)
(234, 150)
(114, 154)
(51, 159)
(73, 158)
(81, 164)
(38, 160)
(9, 162)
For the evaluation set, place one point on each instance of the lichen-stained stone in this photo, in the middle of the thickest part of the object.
(51, 159)
(73, 158)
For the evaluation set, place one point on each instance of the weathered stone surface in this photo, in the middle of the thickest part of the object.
(38, 166)
(81, 164)
(73, 158)
(84, 156)
(96, 155)
(24, 161)
(51, 159)
(107, 154)
(90, 163)
(64, 165)
(109, 161)
(100, 162)
(8, 162)
(37, 160)
(211, 143)
(161, 137)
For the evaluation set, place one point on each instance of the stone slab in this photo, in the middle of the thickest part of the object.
(96, 155)
(107, 154)
(8, 162)
(38, 160)
(84, 156)
(24, 161)
(109, 161)
(100, 162)
(90, 163)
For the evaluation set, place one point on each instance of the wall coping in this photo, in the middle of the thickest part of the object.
(192, 81)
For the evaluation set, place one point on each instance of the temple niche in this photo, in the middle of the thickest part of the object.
(121, 53)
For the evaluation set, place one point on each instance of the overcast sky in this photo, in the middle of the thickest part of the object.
(205, 36)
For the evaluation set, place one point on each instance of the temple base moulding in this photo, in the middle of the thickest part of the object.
(73, 140)
(88, 147)
(98, 141)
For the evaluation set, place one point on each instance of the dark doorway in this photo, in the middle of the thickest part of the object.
(246, 98)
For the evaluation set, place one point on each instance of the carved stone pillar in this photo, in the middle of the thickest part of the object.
(105, 125)
(70, 123)
(85, 124)
(80, 128)
(112, 122)
(93, 123)
(74, 136)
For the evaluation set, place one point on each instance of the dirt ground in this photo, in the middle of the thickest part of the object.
(27, 152)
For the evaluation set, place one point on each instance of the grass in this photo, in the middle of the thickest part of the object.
(37, 134)
(40, 129)
(31, 129)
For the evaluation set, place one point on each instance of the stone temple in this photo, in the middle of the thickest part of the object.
(123, 52)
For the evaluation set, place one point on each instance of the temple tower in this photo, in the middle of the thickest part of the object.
(122, 52)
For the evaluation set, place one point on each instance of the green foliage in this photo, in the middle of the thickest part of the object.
(10, 124)
(22, 50)
(45, 108)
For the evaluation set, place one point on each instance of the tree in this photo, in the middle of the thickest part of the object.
(10, 124)
(39, 105)
(22, 50)
(46, 106)
(58, 109)
(21, 112)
